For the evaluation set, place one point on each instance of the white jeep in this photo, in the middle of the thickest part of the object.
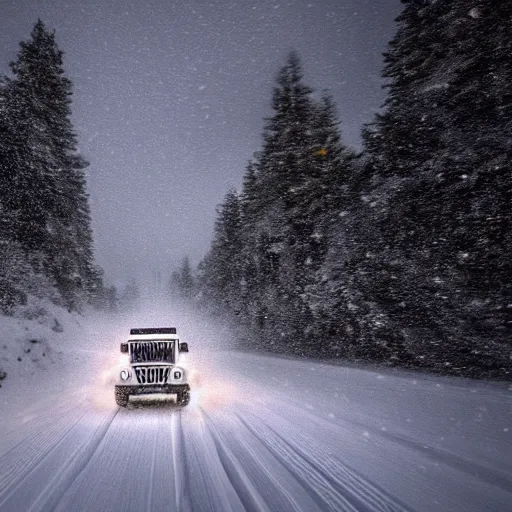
(150, 366)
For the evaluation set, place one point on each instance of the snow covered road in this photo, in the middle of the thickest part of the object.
(264, 433)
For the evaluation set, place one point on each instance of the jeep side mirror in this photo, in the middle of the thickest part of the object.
(183, 347)
(124, 348)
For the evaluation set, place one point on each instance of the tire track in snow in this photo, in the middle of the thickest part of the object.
(48, 403)
(178, 464)
(336, 485)
(20, 460)
(321, 490)
(151, 475)
(50, 497)
(36, 421)
(118, 476)
(43, 484)
(245, 489)
(278, 486)
(478, 471)
(209, 487)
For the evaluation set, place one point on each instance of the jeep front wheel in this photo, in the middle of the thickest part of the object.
(122, 396)
(183, 398)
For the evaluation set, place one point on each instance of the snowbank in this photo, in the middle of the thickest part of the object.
(31, 341)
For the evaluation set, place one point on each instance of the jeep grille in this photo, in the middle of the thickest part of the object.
(151, 351)
(152, 374)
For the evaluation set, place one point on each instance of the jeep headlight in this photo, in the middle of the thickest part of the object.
(125, 374)
(178, 374)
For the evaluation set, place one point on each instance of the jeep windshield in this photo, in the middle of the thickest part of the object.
(146, 351)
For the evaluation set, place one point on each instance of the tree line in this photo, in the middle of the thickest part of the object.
(400, 253)
(46, 243)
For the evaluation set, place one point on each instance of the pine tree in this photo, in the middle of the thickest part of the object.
(303, 152)
(251, 200)
(285, 168)
(288, 142)
(441, 158)
(326, 191)
(7, 210)
(43, 172)
(291, 197)
(479, 158)
(182, 281)
(221, 270)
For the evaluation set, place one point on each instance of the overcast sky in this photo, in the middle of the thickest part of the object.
(169, 100)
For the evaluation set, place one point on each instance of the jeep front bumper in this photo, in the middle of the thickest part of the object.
(167, 389)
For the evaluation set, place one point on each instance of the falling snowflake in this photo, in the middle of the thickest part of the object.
(475, 13)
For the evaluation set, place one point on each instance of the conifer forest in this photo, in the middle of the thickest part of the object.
(400, 253)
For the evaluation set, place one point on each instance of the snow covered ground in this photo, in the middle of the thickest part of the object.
(261, 433)
(31, 349)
